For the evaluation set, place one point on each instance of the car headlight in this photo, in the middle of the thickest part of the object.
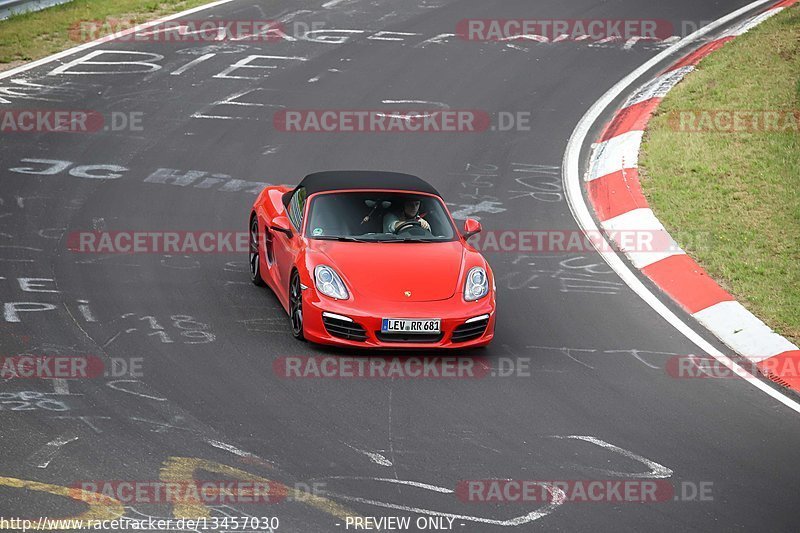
(477, 285)
(329, 283)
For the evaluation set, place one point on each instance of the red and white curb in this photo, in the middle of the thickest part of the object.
(615, 193)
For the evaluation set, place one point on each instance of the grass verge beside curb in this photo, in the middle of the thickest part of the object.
(31, 36)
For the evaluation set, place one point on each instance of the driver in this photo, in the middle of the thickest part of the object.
(410, 213)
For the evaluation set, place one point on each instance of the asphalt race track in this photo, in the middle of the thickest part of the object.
(588, 397)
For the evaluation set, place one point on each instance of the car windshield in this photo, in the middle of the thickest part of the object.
(379, 217)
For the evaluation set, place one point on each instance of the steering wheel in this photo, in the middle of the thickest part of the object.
(407, 224)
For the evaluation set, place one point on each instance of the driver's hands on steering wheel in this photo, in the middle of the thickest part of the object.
(401, 225)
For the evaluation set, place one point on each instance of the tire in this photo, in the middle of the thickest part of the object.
(254, 255)
(296, 307)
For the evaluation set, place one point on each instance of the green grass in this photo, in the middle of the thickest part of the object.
(30, 36)
(741, 188)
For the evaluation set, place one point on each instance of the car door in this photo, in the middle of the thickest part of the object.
(287, 248)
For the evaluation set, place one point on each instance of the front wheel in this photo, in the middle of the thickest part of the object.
(254, 256)
(296, 306)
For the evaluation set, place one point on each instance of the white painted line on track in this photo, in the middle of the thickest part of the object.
(375, 457)
(43, 457)
(229, 448)
(190, 64)
(115, 385)
(572, 182)
(657, 471)
(417, 484)
(333, 3)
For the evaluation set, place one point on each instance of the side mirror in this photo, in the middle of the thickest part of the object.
(282, 224)
(471, 227)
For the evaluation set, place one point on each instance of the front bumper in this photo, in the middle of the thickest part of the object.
(459, 329)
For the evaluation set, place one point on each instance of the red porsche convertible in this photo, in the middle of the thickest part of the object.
(371, 259)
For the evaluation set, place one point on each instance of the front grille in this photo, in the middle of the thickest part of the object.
(469, 331)
(409, 337)
(344, 329)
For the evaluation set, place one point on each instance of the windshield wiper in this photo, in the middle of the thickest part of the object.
(339, 238)
(407, 239)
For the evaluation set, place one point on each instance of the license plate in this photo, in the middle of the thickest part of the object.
(411, 325)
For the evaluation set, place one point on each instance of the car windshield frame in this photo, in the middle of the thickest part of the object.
(380, 237)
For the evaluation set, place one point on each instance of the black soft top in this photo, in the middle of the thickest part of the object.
(337, 180)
